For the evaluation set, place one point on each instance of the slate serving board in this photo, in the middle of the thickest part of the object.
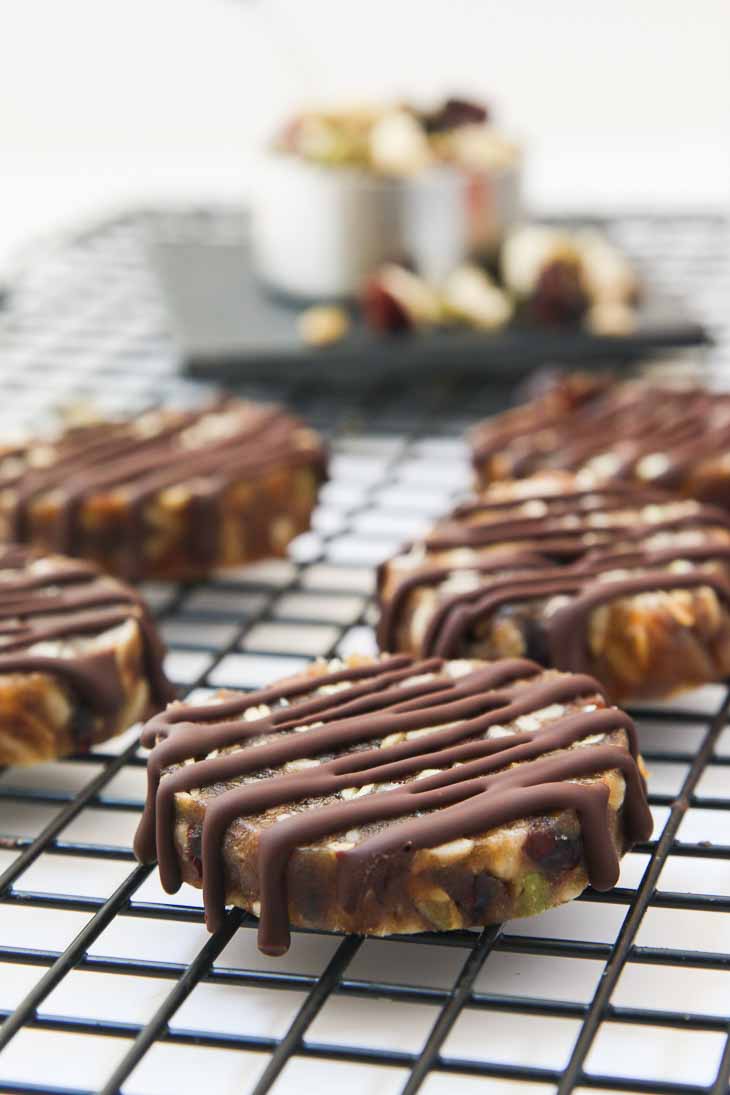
(229, 327)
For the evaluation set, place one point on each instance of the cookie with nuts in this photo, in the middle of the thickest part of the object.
(672, 437)
(626, 583)
(394, 795)
(80, 659)
(169, 494)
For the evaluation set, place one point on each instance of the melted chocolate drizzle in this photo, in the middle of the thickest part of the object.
(561, 552)
(63, 601)
(120, 456)
(584, 418)
(481, 786)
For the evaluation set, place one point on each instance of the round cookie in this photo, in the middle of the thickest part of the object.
(80, 659)
(170, 494)
(608, 431)
(394, 795)
(625, 583)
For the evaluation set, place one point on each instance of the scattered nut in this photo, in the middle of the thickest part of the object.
(323, 325)
(470, 295)
(611, 317)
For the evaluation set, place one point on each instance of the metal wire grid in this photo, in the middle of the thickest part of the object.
(646, 961)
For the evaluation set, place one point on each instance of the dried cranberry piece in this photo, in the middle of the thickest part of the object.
(458, 884)
(487, 892)
(559, 298)
(454, 113)
(536, 643)
(473, 894)
(382, 310)
(552, 851)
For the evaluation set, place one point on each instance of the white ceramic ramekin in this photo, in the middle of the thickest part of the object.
(317, 232)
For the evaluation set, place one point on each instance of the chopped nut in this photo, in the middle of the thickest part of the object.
(392, 739)
(554, 711)
(499, 732)
(454, 851)
(398, 144)
(680, 606)
(653, 465)
(300, 765)
(354, 792)
(251, 714)
(282, 531)
(528, 723)
(470, 295)
(323, 325)
(438, 909)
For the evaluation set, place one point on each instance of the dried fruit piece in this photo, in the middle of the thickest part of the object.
(453, 113)
(396, 299)
(553, 851)
(559, 297)
(534, 895)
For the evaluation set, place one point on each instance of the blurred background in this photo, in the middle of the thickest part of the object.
(106, 104)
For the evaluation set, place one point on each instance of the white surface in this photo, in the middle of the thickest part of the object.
(102, 104)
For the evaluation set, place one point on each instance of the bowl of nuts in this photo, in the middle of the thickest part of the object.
(342, 192)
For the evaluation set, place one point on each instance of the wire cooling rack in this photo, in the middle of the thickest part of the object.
(107, 984)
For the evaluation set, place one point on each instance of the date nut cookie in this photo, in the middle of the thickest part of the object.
(607, 431)
(170, 494)
(80, 659)
(394, 795)
(628, 584)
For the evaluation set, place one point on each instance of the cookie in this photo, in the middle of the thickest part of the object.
(394, 795)
(80, 659)
(171, 494)
(672, 438)
(628, 584)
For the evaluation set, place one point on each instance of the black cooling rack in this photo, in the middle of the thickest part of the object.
(107, 984)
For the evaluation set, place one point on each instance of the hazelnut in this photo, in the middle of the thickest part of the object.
(323, 325)
(398, 144)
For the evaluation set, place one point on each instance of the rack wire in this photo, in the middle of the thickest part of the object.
(108, 985)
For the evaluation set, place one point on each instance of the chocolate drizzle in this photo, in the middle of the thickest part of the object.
(61, 601)
(484, 782)
(136, 460)
(582, 418)
(571, 549)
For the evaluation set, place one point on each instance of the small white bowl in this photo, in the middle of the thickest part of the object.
(318, 232)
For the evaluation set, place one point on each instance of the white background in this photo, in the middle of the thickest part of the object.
(104, 101)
